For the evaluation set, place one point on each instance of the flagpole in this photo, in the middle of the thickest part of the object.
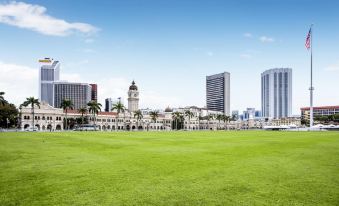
(311, 88)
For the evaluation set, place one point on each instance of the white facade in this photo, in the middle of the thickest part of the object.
(79, 93)
(276, 93)
(133, 98)
(49, 72)
(46, 118)
(218, 92)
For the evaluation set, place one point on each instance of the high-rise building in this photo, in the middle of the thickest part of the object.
(218, 92)
(48, 73)
(78, 93)
(235, 114)
(276, 93)
(108, 104)
(94, 92)
(133, 98)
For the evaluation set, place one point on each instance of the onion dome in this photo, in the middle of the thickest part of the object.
(168, 109)
(133, 86)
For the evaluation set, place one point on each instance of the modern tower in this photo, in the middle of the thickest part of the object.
(94, 92)
(218, 92)
(133, 98)
(276, 93)
(48, 73)
(78, 93)
(108, 104)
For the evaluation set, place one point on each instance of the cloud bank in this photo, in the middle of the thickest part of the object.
(34, 17)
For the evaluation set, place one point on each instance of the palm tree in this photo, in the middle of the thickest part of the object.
(176, 117)
(199, 119)
(154, 115)
(189, 114)
(32, 102)
(209, 117)
(219, 118)
(2, 98)
(138, 115)
(226, 119)
(66, 104)
(83, 111)
(94, 108)
(119, 107)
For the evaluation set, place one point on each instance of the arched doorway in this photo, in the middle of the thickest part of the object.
(104, 127)
(26, 126)
(133, 127)
(58, 127)
(140, 127)
(43, 127)
(37, 126)
(128, 127)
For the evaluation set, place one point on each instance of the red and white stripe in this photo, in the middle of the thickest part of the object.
(308, 40)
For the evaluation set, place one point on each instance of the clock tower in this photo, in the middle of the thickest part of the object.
(133, 98)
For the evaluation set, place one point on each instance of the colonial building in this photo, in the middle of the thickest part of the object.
(45, 118)
(48, 118)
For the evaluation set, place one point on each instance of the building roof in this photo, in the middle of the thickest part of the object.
(321, 107)
(100, 113)
(133, 86)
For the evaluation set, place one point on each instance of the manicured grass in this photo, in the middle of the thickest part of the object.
(169, 168)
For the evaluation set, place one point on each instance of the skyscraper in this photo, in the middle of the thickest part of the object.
(78, 93)
(276, 93)
(48, 73)
(108, 104)
(94, 92)
(218, 92)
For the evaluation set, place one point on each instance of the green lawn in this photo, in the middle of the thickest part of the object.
(169, 168)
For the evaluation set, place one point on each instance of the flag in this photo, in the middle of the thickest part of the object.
(308, 39)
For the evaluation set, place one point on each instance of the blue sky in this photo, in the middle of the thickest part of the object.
(168, 47)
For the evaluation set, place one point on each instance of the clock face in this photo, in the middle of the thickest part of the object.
(135, 95)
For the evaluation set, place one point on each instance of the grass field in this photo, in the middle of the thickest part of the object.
(169, 168)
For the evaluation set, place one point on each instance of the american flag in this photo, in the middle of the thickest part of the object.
(308, 39)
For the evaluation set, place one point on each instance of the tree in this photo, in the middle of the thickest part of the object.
(209, 117)
(189, 114)
(138, 115)
(82, 111)
(176, 116)
(154, 115)
(2, 98)
(94, 108)
(66, 104)
(226, 119)
(119, 107)
(199, 119)
(8, 115)
(219, 118)
(32, 102)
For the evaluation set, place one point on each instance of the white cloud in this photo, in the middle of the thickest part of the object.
(18, 82)
(333, 67)
(248, 35)
(34, 17)
(266, 39)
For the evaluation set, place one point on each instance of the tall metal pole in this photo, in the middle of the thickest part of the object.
(311, 88)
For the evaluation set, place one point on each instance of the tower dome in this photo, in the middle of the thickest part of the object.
(168, 109)
(133, 86)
